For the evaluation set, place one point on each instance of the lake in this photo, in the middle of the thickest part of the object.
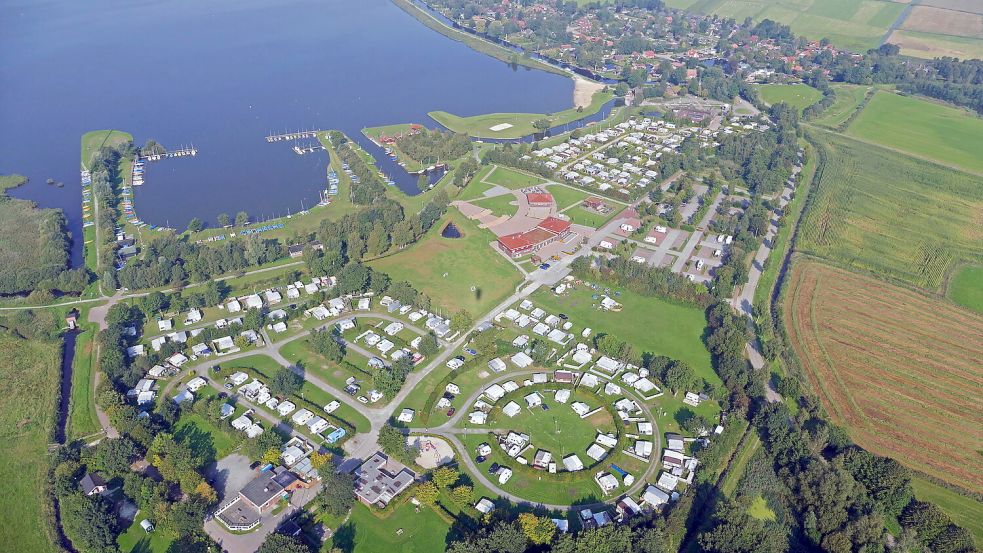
(222, 75)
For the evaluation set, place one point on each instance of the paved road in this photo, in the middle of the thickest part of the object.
(697, 235)
(449, 432)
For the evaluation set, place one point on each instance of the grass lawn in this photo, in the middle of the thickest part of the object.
(580, 216)
(93, 140)
(511, 178)
(760, 510)
(926, 129)
(651, 324)
(136, 540)
(848, 99)
(462, 273)
(479, 126)
(29, 378)
(506, 204)
(565, 196)
(799, 96)
(82, 420)
(203, 436)
(964, 511)
(422, 532)
(475, 188)
(739, 464)
(966, 287)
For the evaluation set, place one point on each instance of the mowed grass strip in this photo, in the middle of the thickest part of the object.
(891, 214)
(510, 178)
(848, 99)
(964, 511)
(966, 287)
(446, 269)
(926, 129)
(82, 419)
(799, 96)
(899, 369)
(29, 379)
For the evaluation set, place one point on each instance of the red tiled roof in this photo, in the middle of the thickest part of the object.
(539, 198)
(515, 241)
(554, 225)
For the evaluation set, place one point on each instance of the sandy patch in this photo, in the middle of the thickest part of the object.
(433, 451)
(583, 91)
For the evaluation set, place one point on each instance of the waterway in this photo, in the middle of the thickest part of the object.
(221, 75)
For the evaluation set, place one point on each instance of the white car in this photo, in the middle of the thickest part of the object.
(363, 399)
(504, 475)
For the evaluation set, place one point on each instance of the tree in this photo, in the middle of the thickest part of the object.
(445, 477)
(337, 493)
(271, 456)
(115, 455)
(429, 345)
(319, 459)
(223, 219)
(462, 495)
(195, 225)
(696, 424)
(279, 543)
(427, 493)
(462, 321)
(89, 522)
(539, 530)
(324, 342)
(393, 442)
(154, 302)
(542, 125)
(679, 376)
(242, 219)
(286, 382)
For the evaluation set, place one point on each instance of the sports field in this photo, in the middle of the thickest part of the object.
(848, 99)
(966, 287)
(650, 324)
(891, 214)
(462, 273)
(856, 25)
(898, 369)
(799, 96)
(923, 128)
(29, 385)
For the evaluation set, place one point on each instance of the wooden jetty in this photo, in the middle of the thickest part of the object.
(301, 150)
(293, 135)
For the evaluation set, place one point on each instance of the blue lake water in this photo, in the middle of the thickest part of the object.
(221, 75)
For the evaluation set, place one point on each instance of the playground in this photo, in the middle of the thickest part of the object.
(434, 451)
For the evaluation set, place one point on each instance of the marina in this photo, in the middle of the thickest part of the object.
(292, 136)
(309, 149)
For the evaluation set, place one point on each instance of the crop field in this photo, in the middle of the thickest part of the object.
(898, 369)
(462, 273)
(966, 287)
(925, 129)
(931, 19)
(888, 213)
(799, 96)
(856, 25)
(29, 385)
(933, 45)
(848, 99)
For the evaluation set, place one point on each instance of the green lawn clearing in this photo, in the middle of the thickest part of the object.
(923, 128)
(739, 464)
(82, 419)
(799, 96)
(964, 511)
(848, 99)
(966, 287)
(760, 510)
(136, 540)
(461, 273)
(407, 529)
(511, 178)
(206, 440)
(476, 188)
(564, 196)
(520, 124)
(506, 204)
(580, 216)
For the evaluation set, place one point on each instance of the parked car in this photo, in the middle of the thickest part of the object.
(480, 459)
(544, 266)
(470, 351)
(451, 411)
(493, 469)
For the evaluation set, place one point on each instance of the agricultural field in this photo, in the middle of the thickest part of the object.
(511, 178)
(848, 100)
(964, 511)
(461, 273)
(932, 45)
(901, 218)
(922, 128)
(29, 378)
(898, 369)
(856, 25)
(966, 287)
(799, 96)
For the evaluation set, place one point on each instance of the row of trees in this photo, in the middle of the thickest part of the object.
(430, 146)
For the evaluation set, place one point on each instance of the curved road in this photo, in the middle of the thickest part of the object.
(449, 432)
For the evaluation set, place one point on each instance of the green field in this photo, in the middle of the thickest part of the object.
(136, 540)
(447, 269)
(799, 96)
(479, 126)
(966, 287)
(82, 420)
(923, 128)
(580, 216)
(848, 99)
(423, 531)
(651, 324)
(896, 216)
(504, 204)
(760, 510)
(964, 511)
(29, 377)
(206, 440)
(739, 463)
(93, 140)
(935, 45)
(511, 178)
(564, 196)
(475, 188)
(856, 25)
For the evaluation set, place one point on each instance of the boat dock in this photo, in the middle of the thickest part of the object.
(301, 150)
(293, 135)
(181, 152)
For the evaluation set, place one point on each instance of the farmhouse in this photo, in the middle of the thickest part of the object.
(548, 231)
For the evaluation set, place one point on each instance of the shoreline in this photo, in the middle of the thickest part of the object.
(584, 90)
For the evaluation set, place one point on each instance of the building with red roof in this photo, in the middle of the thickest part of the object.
(548, 231)
(539, 199)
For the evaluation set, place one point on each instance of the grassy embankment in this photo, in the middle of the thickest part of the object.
(82, 419)
(966, 287)
(799, 96)
(29, 381)
(479, 126)
(461, 273)
(922, 128)
(848, 100)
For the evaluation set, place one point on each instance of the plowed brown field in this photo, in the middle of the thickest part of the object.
(903, 372)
